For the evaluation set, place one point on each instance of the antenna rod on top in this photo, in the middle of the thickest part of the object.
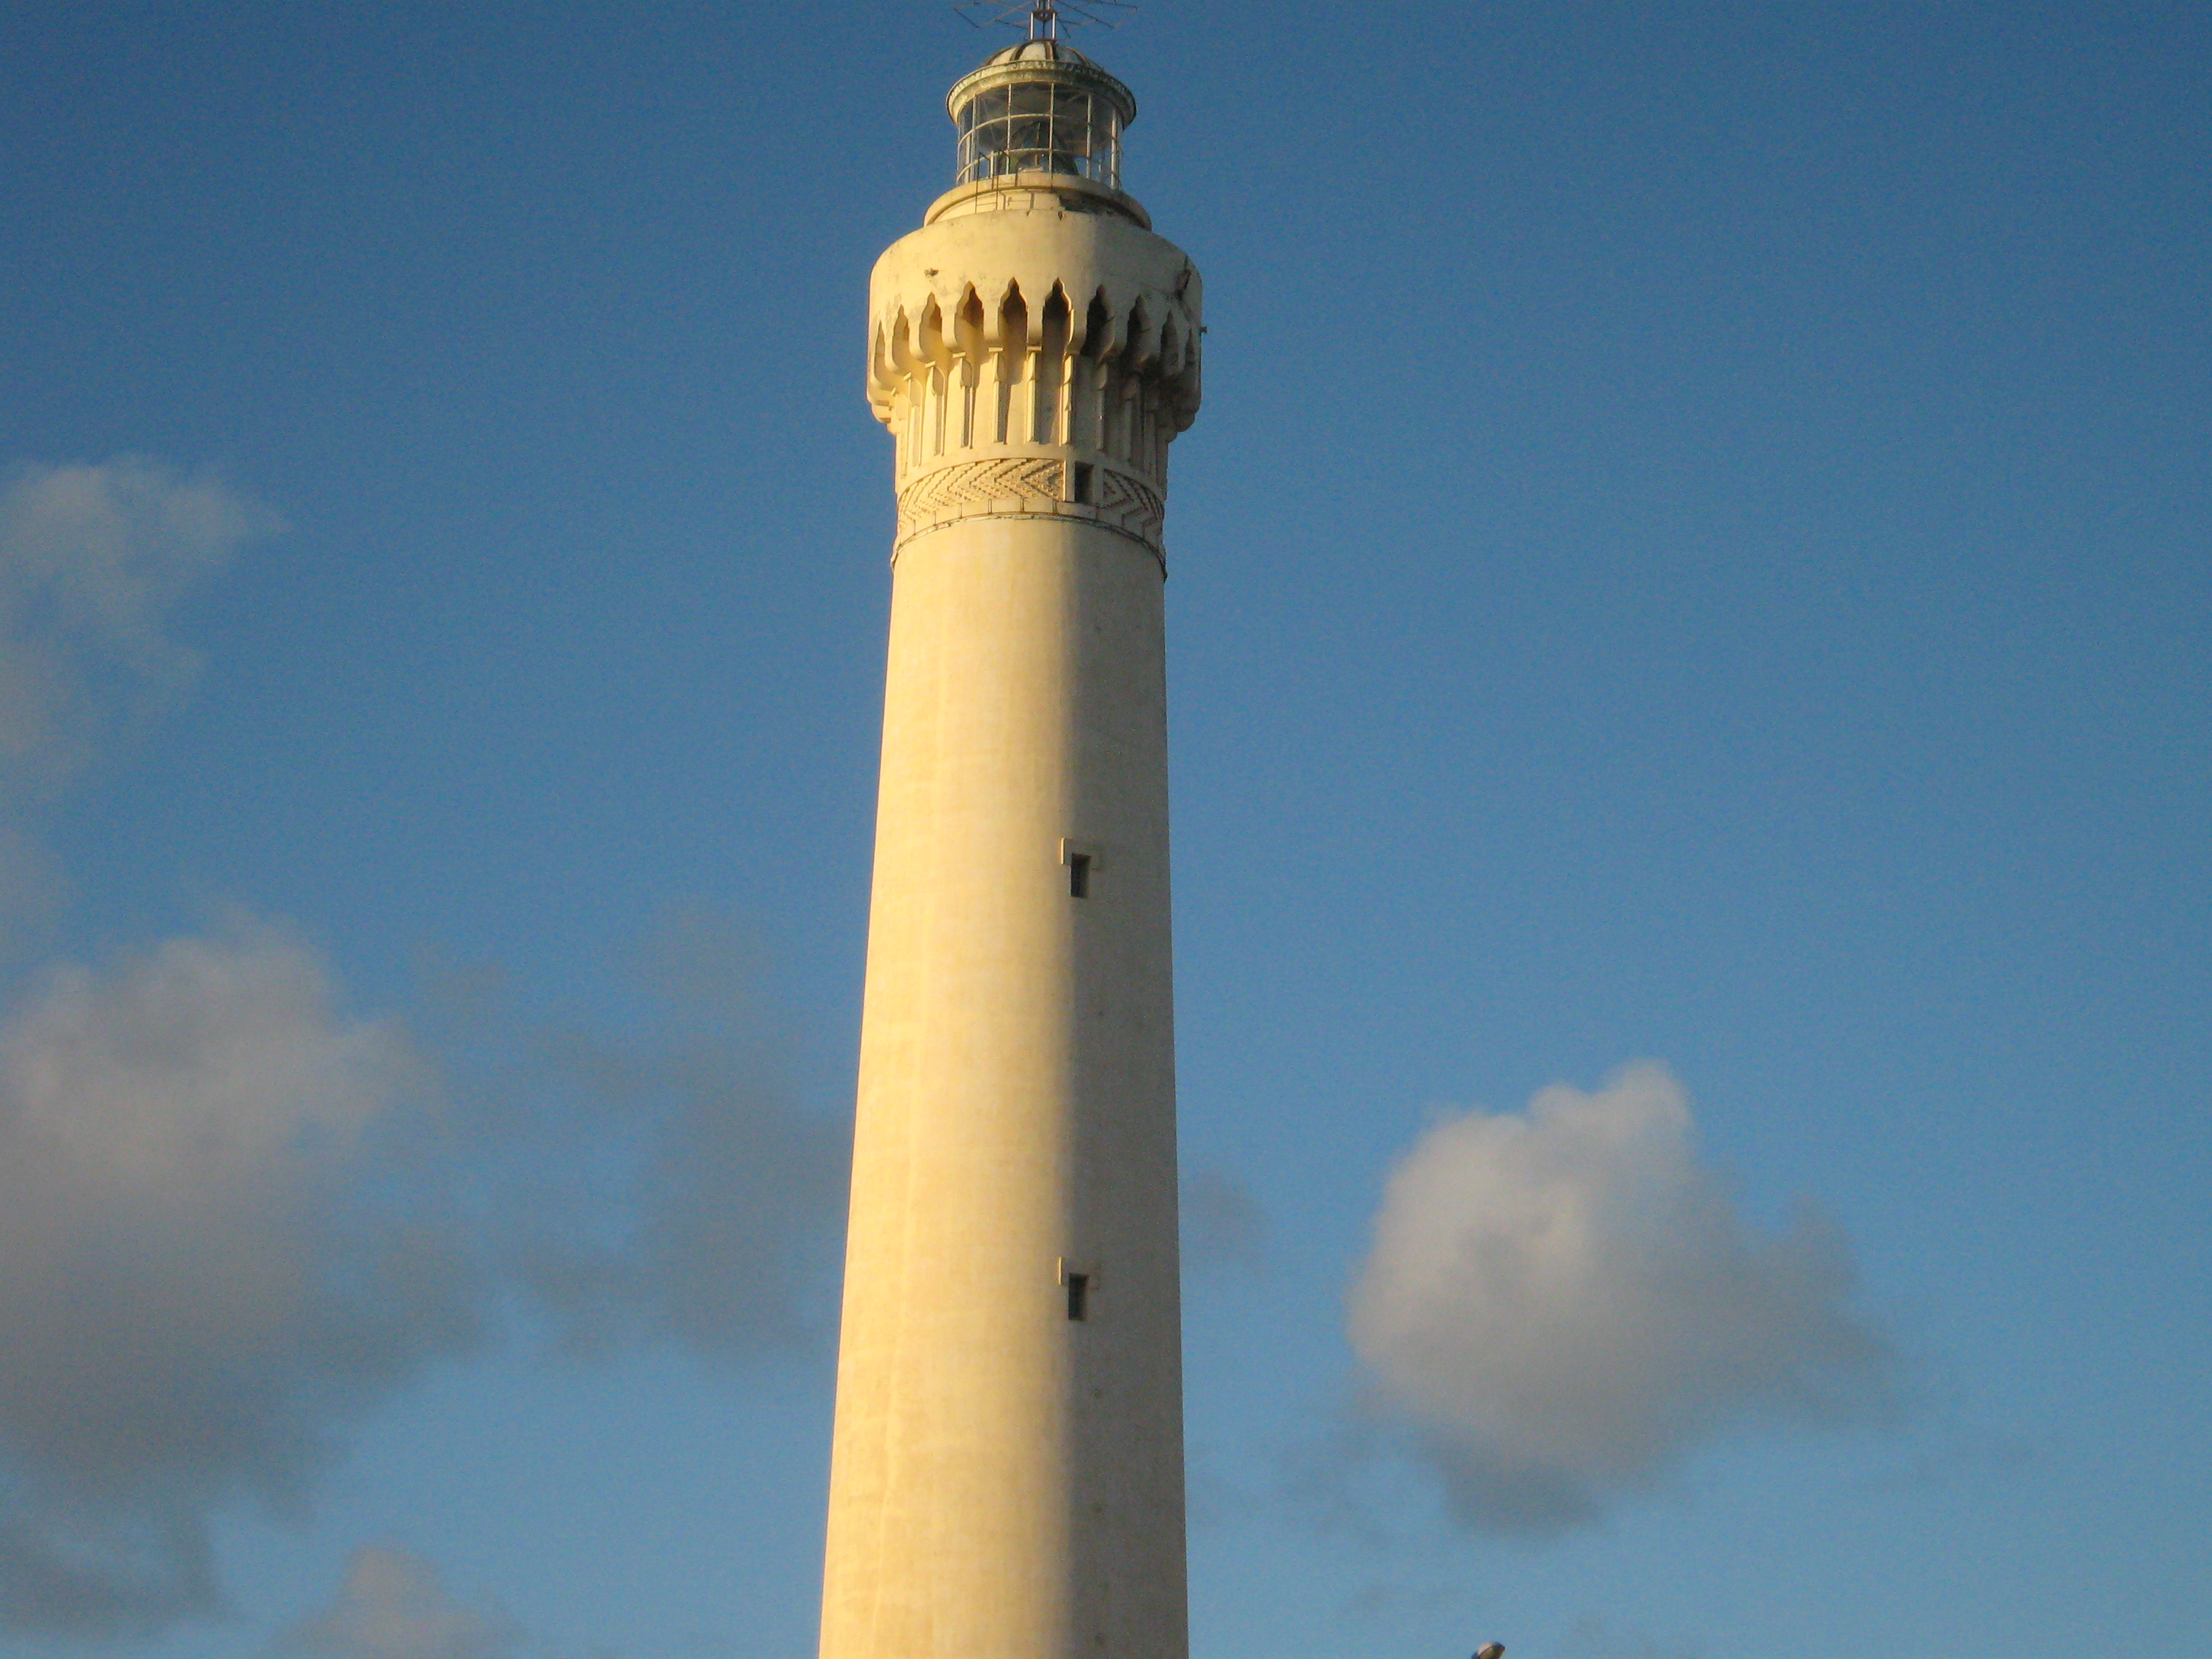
(1047, 19)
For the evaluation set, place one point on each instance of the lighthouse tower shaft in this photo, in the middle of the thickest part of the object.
(1006, 1478)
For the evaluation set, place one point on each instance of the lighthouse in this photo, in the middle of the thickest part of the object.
(1006, 1476)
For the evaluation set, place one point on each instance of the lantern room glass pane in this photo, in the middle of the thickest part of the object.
(1039, 126)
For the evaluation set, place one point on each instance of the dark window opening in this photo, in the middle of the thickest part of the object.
(1079, 1297)
(1078, 483)
(1078, 875)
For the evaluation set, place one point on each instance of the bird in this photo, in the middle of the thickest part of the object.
(1495, 1650)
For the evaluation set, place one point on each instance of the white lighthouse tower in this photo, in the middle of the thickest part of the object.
(1007, 1479)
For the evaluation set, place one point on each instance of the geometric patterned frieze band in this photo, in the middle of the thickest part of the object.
(1051, 486)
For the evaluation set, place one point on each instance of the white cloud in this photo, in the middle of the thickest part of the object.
(394, 1605)
(200, 1269)
(1562, 1304)
(227, 1223)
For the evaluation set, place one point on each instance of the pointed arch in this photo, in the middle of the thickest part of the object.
(1048, 404)
(1013, 320)
(969, 328)
(1143, 344)
(929, 338)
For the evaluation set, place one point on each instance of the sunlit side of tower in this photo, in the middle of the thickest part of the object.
(1006, 1478)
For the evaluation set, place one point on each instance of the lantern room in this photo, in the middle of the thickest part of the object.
(1041, 106)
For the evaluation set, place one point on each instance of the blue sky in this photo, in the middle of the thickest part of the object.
(1694, 560)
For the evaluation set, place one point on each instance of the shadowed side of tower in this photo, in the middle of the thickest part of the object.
(1006, 1478)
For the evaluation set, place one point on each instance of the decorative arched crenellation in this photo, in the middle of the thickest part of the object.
(1114, 373)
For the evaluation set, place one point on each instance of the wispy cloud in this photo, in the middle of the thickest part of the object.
(1560, 1304)
(712, 1221)
(393, 1605)
(1222, 1224)
(91, 559)
(1594, 1639)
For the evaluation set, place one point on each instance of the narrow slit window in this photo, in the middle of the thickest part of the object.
(1079, 1297)
(1078, 875)
(1078, 483)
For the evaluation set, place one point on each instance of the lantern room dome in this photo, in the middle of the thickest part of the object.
(1021, 51)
